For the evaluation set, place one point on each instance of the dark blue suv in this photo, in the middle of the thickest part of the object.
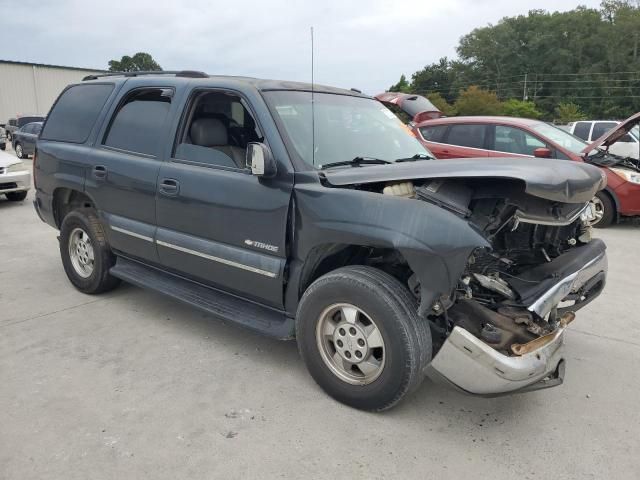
(311, 212)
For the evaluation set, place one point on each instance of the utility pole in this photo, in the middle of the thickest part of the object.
(524, 92)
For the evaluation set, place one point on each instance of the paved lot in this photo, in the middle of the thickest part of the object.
(133, 385)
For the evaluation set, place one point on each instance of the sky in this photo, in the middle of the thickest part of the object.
(360, 44)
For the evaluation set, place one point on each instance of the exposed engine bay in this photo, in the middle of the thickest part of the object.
(535, 243)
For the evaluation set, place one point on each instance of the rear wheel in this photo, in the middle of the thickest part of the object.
(86, 256)
(361, 339)
(605, 210)
(19, 151)
(16, 196)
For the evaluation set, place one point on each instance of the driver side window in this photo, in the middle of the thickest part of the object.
(515, 140)
(217, 130)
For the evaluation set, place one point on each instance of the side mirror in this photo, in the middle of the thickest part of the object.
(542, 153)
(260, 160)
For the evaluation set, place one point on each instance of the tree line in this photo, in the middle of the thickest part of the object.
(560, 66)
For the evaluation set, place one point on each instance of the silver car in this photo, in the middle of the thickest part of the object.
(15, 178)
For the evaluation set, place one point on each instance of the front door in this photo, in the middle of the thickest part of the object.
(217, 223)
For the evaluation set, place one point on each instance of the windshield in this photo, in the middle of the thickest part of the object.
(560, 137)
(346, 127)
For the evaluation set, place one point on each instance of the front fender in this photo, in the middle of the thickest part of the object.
(436, 243)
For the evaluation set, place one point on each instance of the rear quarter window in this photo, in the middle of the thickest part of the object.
(75, 113)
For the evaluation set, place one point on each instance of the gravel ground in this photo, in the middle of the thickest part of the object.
(134, 385)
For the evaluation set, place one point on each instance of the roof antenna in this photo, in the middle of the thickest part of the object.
(313, 114)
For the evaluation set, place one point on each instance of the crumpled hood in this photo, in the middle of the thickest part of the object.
(615, 134)
(558, 180)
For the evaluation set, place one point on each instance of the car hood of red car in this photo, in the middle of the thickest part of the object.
(615, 134)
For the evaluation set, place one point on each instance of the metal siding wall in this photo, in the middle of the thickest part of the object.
(32, 88)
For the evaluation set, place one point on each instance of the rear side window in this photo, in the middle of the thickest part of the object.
(434, 133)
(137, 124)
(582, 129)
(25, 120)
(467, 135)
(600, 128)
(75, 113)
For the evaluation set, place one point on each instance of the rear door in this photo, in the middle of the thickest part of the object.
(464, 140)
(123, 168)
(217, 223)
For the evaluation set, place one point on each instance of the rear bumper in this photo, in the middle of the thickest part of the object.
(474, 367)
(15, 181)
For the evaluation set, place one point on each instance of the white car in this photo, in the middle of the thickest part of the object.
(591, 130)
(15, 178)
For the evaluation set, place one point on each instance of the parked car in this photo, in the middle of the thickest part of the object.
(24, 140)
(16, 123)
(328, 222)
(591, 130)
(3, 139)
(15, 178)
(478, 137)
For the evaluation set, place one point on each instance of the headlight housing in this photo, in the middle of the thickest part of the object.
(16, 167)
(628, 175)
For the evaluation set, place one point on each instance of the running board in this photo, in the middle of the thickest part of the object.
(258, 318)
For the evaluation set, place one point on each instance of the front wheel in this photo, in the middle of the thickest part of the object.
(19, 151)
(361, 339)
(86, 256)
(605, 210)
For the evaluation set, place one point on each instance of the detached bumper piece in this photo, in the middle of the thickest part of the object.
(473, 366)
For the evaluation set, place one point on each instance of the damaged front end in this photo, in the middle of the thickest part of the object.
(501, 329)
(504, 326)
(501, 275)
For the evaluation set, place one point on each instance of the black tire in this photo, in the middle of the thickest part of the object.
(407, 338)
(16, 196)
(609, 210)
(99, 280)
(3, 146)
(19, 151)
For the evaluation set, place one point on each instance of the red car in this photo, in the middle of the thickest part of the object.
(457, 137)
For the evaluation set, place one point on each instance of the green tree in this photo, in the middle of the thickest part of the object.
(569, 112)
(402, 85)
(441, 104)
(141, 61)
(520, 108)
(476, 101)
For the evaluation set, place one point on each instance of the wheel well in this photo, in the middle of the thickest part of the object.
(66, 200)
(325, 258)
(614, 200)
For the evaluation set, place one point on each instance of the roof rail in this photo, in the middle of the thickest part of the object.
(177, 73)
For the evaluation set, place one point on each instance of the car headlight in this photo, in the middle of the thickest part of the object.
(628, 175)
(16, 167)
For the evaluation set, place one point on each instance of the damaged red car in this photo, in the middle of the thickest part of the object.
(484, 137)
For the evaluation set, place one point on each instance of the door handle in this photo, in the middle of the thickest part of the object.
(100, 172)
(169, 186)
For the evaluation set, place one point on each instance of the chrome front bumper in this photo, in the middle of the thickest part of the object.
(474, 367)
(15, 181)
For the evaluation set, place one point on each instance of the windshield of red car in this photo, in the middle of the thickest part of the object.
(344, 126)
(560, 137)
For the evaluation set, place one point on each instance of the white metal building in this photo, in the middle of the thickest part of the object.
(31, 88)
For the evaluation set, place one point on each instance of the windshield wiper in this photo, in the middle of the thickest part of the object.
(417, 156)
(356, 162)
